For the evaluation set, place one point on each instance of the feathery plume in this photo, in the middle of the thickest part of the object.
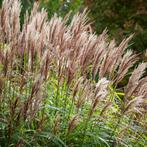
(134, 80)
(73, 123)
(126, 62)
(101, 92)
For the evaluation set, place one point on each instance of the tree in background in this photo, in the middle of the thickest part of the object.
(121, 17)
(61, 7)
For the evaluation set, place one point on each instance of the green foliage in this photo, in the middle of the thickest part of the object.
(121, 17)
(50, 125)
(61, 7)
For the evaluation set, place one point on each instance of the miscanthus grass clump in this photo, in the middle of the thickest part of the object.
(62, 85)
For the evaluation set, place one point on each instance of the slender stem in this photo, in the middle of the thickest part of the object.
(58, 85)
(57, 94)
(85, 129)
(71, 107)
(114, 131)
(66, 96)
(68, 118)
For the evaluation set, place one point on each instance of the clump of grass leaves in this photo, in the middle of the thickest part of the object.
(62, 85)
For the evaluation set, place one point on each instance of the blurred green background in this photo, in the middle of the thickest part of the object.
(120, 17)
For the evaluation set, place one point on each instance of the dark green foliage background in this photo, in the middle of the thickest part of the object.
(121, 17)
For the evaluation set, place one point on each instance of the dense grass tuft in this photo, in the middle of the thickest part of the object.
(62, 85)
